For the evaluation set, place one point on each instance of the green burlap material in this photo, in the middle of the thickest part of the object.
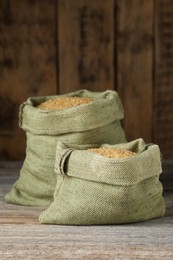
(92, 189)
(97, 122)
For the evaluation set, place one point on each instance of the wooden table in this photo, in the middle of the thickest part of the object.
(22, 237)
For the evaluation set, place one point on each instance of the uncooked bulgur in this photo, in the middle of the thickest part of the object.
(112, 152)
(64, 103)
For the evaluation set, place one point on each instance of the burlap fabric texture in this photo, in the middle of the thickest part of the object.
(97, 122)
(92, 189)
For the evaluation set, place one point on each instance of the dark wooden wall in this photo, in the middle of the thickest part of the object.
(56, 46)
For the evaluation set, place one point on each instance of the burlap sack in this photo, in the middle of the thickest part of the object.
(92, 189)
(97, 122)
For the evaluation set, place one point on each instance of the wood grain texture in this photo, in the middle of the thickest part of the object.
(10, 168)
(58, 242)
(58, 46)
(167, 176)
(22, 237)
(163, 132)
(134, 43)
(86, 44)
(27, 64)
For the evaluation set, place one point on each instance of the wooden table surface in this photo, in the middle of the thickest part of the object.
(22, 237)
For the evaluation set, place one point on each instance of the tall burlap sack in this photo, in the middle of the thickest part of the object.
(93, 189)
(97, 122)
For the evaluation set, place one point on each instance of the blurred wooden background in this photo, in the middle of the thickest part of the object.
(56, 46)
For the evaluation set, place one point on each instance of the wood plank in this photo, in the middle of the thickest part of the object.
(22, 237)
(167, 176)
(27, 64)
(62, 242)
(86, 45)
(10, 168)
(163, 128)
(134, 44)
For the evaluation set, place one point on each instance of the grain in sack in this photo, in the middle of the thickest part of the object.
(95, 187)
(80, 117)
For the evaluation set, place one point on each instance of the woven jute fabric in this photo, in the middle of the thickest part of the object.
(97, 122)
(92, 189)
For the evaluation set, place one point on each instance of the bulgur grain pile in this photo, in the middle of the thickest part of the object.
(64, 103)
(112, 152)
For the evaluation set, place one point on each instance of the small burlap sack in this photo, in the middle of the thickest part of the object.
(92, 189)
(96, 122)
